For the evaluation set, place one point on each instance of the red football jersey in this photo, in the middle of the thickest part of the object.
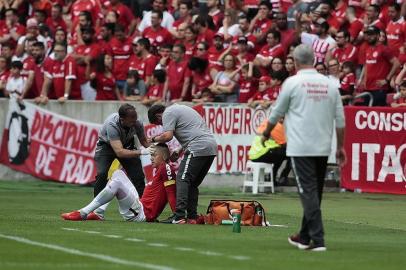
(59, 71)
(121, 52)
(54, 24)
(176, 73)
(155, 91)
(347, 53)
(125, 15)
(158, 191)
(201, 80)
(86, 5)
(347, 84)
(93, 50)
(395, 33)
(145, 67)
(275, 51)
(247, 89)
(377, 65)
(105, 87)
(157, 37)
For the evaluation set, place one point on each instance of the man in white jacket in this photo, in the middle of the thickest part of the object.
(312, 107)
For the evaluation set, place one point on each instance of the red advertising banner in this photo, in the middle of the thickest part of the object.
(375, 144)
(47, 145)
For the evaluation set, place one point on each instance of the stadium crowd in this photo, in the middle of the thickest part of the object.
(202, 51)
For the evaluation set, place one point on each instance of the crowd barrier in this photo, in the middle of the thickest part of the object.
(60, 140)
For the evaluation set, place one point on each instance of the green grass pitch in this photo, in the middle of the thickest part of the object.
(363, 231)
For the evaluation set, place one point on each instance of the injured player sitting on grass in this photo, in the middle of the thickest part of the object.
(160, 190)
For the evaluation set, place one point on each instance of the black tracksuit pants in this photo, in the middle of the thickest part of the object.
(191, 173)
(310, 173)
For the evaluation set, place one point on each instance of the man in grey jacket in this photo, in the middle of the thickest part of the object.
(199, 147)
(312, 108)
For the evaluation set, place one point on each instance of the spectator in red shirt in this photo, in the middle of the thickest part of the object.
(248, 83)
(204, 27)
(84, 21)
(243, 55)
(396, 29)
(216, 51)
(215, 13)
(125, 16)
(121, 51)
(185, 17)
(260, 98)
(344, 51)
(201, 78)
(355, 24)
(155, 91)
(178, 76)
(261, 24)
(347, 82)
(92, 6)
(103, 79)
(10, 29)
(143, 61)
(400, 98)
(105, 35)
(83, 54)
(288, 36)
(272, 49)
(190, 41)
(55, 20)
(38, 53)
(379, 68)
(60, 77)
(157, 34)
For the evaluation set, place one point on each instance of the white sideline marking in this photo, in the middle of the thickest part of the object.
(102, 257)
(91, 232)
(277, 225)
(184, 249)
(112, 236)
(70, 229)
(241, 258)
(210, 253)
(135, 240)
(157, 245)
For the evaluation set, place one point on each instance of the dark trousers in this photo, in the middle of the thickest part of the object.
(379, 97)
(310, 173)
(276, 156)
(105, 156)
(191, 173)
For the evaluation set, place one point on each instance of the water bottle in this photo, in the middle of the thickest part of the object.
(236, 214)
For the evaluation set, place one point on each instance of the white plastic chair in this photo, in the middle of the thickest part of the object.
(258, 170)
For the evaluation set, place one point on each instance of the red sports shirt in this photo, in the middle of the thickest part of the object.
(395, 33)
(377, 65)
(105, 87)
(160, 190)
(121, 52)
(247, 89)
(93, 50)
(177, 73)
(145, 67)
(58, 72)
